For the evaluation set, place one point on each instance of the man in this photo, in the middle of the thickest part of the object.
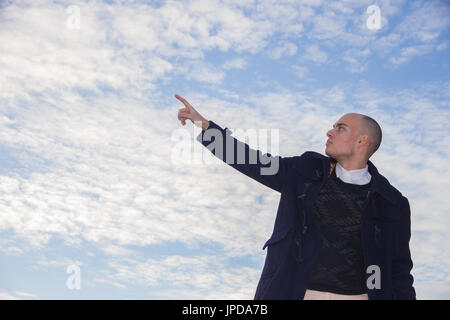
(341, 230)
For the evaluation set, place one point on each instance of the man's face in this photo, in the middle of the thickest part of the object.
(342, 138)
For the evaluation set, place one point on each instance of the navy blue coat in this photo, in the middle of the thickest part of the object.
(294, 244)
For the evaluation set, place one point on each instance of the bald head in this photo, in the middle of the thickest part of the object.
(372, 129)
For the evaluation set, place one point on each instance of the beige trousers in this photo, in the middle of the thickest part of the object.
(319, 295)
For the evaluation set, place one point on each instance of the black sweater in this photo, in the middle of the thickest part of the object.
(340, 266)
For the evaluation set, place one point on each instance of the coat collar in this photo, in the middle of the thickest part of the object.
(316, 170)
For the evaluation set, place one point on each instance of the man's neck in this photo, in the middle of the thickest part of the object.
(352, 165)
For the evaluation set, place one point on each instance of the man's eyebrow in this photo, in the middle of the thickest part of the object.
(340, 124)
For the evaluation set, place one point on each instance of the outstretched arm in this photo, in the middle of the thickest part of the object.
(264, 168)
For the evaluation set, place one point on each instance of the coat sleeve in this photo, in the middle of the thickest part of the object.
(402, 264)
(266, 169)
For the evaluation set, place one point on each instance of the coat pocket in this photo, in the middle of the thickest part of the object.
(276, 236)
(276, 249)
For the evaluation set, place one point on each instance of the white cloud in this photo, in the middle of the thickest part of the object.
(238, 63)
(286, 49)
(4, 295)
(206, 73)
(416, 34)
(117, 250)
(97, 166)
(356, 59)
(110, 282)
(432, 290)
(198, 277)
(328, 25)
(26, 295)
(407, 53)
(60, 263)
(442, 46)
(300, 71)
(315, 54)
(426, 21)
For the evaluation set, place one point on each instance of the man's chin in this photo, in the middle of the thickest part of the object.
(330, 153)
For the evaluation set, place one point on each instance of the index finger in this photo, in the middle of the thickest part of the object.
(181, 99)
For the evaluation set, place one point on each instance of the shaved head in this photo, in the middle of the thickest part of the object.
(370, 127)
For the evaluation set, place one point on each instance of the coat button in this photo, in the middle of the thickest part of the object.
(318, 174)
(377, 234)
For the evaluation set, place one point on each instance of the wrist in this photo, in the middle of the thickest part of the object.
(205, 124)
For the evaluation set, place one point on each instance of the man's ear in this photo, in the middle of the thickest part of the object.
(363, 140)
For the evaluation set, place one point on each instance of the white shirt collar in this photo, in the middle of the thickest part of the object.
(357, 176)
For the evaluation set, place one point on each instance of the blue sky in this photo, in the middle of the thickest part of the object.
(87, 114)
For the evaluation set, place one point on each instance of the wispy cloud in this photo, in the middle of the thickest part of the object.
(286, 49)
(315, 54)
(7, 296)
(86, 117)
(238, 63)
